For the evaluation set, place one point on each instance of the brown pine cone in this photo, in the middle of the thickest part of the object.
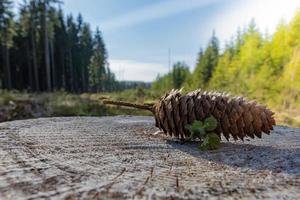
(236, 116)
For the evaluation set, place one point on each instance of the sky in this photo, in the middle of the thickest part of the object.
(143, 36)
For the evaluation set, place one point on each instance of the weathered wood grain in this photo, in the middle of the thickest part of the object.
(120, 158)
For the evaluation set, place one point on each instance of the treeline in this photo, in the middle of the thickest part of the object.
(260, 66)
(42, 50)
(174, 79)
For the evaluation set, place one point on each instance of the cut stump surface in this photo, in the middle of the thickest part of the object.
(121, 158)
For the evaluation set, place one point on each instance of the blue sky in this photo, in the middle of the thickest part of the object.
(139, 33)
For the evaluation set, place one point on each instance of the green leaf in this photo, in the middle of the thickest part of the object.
(211, 142)
(192, 131)
(197, 124)
(201, 131)
(196, 129)
(210, 124)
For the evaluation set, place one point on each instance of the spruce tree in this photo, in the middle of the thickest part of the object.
(6, 36)
(98, 64)
(206, 63)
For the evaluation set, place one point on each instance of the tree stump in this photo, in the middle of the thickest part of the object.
(121, 158)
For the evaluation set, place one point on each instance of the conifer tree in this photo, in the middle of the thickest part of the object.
(41, 51)
(206, 63)
(6, 35)
(98, 64)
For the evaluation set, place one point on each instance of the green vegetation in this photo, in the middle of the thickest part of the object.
(89, 104)
(16, 105)
(206, 63)
(42, 50)
(204, 130)
(174, 79)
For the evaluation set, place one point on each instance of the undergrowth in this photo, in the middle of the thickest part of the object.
(62, 103)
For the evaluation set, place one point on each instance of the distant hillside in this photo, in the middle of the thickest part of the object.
(259, 66)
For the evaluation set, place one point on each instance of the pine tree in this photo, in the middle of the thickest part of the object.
(174, 79)
(86, 46)
(40, 51)
(52, 27)
(180, 73)
(6, 35)
(221, 75)
(98, 64)
(60, 46)
(85, 49)
(280, 51)
(34, 34)
(24, 31)
(71, 49)
(206, 63)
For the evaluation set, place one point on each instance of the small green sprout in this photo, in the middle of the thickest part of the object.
(210, 142)
(204, 130)
(196, 129)
(210, 124)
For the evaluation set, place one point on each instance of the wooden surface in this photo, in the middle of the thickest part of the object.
(121, 158)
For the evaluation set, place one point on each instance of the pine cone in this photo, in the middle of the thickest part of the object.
(236, 116)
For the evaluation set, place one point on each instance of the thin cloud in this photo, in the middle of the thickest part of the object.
(155, 11)
(266, 13)
(136, 70)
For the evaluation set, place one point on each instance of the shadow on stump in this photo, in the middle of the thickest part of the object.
(247, 156)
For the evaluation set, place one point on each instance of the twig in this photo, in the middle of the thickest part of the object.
(132, 105)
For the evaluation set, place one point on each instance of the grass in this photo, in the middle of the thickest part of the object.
(288, 118)
(59, 104)
(65, 104)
